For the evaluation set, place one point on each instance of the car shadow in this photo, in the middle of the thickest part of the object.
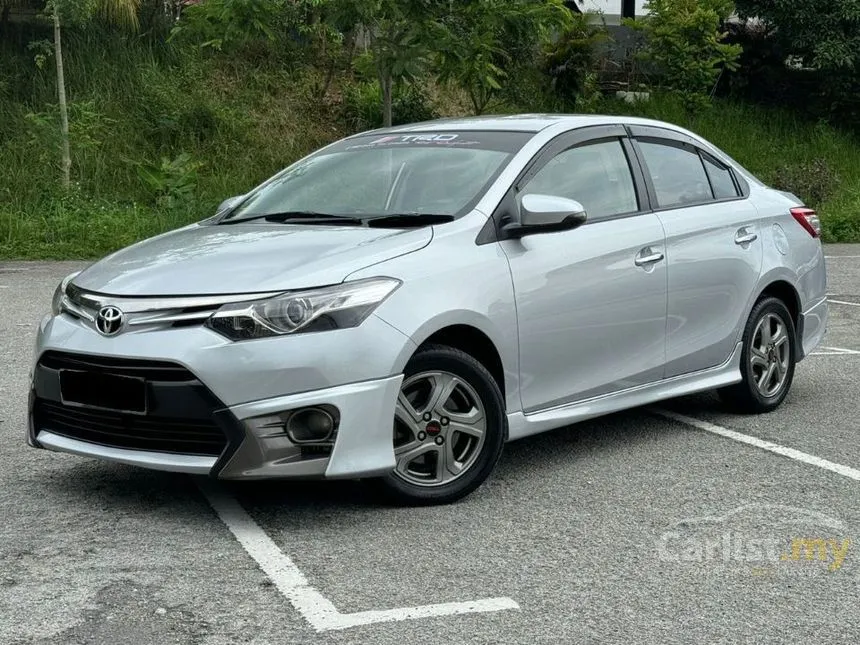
(117, 485)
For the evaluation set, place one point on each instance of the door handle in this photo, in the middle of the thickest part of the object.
(745, 237)
(647, 256)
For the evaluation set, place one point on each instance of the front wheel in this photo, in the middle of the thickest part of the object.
(449, 428)
(767, 360)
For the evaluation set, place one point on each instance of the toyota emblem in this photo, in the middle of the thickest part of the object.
(109, 320)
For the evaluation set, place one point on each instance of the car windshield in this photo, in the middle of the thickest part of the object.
(415, 173)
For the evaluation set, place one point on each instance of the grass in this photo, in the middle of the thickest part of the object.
(239, 121)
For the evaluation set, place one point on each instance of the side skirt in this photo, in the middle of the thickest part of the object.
(522, 425)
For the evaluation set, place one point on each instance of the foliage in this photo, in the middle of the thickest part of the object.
(814, 181)
(473, 43)
(685, 45)
(825, 33)
(225, 23)
(569, 59)
(172, 182)
(397, 33)
(362, 105)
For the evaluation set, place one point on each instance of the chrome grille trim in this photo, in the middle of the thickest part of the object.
(154, 311)
(130, 305)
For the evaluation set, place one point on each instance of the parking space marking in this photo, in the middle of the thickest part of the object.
(791, 453)
(318, 610)
(837, 257)
(835, 351)
(844, 302)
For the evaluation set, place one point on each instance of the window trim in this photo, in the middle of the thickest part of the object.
(685, 143)
(523, 183)
(667, 134)
(709, 158)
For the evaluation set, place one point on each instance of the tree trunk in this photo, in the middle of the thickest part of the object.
(385, 82)
(64, 108)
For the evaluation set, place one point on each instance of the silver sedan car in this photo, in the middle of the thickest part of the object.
(399, 304)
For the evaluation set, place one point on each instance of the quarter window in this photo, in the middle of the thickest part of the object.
(721, 179)
(677, 174)
(596, 175)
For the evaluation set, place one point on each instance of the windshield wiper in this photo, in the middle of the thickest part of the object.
(408, 220)
(299, 217)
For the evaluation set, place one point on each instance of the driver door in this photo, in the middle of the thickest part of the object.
(591, 302)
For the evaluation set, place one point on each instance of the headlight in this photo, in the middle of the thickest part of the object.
(60, 294)
(338, 307)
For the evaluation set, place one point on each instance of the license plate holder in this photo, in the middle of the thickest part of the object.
(113, 392)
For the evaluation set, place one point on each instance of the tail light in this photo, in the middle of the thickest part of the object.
(808, 219)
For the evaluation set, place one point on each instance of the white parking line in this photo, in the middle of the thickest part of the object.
(844, 302)
(836, 257)
(310, 603)
(791, 453)
(834, 351)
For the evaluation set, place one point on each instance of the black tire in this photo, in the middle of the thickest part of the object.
(441, 358)
(746, 397)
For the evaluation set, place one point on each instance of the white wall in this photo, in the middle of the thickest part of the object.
(609, 7)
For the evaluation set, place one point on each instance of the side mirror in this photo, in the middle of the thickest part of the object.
(228, 203)
(546, 214)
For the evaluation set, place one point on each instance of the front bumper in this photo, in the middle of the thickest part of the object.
(227, 388)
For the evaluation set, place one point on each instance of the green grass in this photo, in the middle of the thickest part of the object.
(243, 120)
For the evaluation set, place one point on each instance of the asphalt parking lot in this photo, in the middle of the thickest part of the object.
(642, 527)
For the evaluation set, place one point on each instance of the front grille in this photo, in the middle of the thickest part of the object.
(181, 415)
(185, 436)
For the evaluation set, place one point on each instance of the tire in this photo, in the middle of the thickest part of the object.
(466, 430)
(771, 317)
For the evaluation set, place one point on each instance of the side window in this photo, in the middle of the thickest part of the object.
(721, 179)
(597, 175)
(677, 173)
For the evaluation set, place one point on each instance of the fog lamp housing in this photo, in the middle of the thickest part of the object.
(312, 425)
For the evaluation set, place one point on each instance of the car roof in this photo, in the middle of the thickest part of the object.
(522, 123)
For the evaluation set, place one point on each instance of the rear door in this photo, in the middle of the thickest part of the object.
(714, 247)
(591, 302)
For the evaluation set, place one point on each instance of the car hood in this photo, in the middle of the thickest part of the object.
(246, 258)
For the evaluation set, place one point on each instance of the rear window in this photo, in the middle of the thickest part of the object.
(721, 179)
(677, 174)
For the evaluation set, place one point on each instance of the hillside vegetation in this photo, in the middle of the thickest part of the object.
(160, 134)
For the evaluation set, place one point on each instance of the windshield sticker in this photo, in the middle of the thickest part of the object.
(488, 140)
(427, 139)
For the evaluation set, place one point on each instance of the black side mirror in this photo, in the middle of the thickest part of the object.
(545, 214)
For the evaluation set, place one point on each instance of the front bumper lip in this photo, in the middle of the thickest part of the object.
(363, 447)
(192, 464)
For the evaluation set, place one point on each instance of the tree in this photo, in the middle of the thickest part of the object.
(397, 32)
(121, 12)
(685, 45)
(824, 33)
(477, 41)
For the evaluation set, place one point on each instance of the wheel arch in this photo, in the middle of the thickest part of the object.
(474, 342)
(786, 292)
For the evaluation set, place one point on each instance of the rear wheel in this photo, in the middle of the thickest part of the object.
(449, 428)
(767, 361)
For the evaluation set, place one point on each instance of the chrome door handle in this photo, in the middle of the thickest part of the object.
(651, 257)
(743, 237)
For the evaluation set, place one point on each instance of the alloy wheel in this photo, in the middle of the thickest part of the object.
(440, 426)
(769, 355)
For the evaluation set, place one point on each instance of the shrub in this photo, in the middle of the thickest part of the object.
(171, 182)
(685, 45)
(569, 59)
(814, 181)
(362, 105)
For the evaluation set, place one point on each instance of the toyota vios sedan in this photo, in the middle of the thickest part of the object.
(401, 303)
